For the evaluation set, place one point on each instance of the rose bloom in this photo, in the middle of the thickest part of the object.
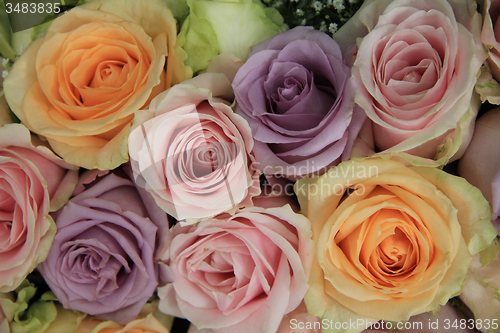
(297, 95)
(392, 241)
(192, 152)
(480, 164)
(33, 183)
(238, 273)
(101, 260)
(81, 83)
(416, 70)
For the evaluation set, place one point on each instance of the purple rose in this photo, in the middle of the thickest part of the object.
(297, 95)
(102, 258)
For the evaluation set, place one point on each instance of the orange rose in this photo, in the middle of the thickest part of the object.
(80, 85)
(392, 241)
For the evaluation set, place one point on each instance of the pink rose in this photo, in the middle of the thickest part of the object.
(192, 152)
(480, 164)
(33, 182)
(238, 273)
(416, 69)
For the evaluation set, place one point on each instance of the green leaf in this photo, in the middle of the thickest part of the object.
(489, 254)
(5, 34)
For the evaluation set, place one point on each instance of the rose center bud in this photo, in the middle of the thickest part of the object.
(110, 74)
(206, 159)
(392, 252)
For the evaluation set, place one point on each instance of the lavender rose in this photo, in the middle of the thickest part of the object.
(297, 95)
(101, 260)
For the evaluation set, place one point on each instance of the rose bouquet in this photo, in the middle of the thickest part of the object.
(250, 166)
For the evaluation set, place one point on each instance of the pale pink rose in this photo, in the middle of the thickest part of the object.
(192, 152)
(239, 273)
(416, 69)
(480, 164)
(34, 182)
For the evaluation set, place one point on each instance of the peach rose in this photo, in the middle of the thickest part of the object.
(29, 177)
(81, 83)
(392, 241)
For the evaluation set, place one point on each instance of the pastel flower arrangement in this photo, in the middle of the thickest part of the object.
(221, 162)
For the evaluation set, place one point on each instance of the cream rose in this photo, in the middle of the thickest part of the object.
(81, 83)
(392, 241)
(416, 69)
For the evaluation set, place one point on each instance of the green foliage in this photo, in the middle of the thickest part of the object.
(324, 15)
